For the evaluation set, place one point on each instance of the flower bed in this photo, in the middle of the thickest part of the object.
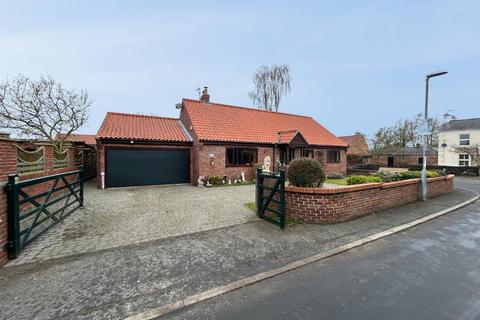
(321, 205)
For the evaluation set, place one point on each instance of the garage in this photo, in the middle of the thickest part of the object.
(134, 167)
(142, 150)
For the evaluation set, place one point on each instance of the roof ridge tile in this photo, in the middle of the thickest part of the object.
(245, 108)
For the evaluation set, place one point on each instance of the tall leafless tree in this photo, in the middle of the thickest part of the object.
(406, 132)
(473, 152)
(271, 83)
(42, 109)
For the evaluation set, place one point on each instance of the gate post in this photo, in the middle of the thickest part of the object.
(259, 191)
(13, 217)
(282, 198)
(82, 178)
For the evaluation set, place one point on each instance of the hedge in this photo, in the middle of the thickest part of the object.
(460, 170)
(366, 166)
(387, 176)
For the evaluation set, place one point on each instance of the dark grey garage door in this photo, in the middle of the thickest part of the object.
(130, 167)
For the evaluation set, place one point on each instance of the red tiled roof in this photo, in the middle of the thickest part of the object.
(349, 139)
(287, 136)
(141, 127)
(86, 138)
(220, 122)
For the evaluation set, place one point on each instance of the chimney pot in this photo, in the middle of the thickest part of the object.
(205, 96)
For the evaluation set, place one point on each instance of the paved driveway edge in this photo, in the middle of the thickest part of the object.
(199, 297)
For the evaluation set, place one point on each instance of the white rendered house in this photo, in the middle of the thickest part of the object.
(455, 135)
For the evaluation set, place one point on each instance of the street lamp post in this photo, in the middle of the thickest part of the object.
(425, 134)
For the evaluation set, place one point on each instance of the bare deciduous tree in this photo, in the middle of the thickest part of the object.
(271, 83)
(406, 132)
(473, 151)
(42, 109)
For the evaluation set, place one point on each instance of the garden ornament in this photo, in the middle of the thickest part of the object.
(266, 164)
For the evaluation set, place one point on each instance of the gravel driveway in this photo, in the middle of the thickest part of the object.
(119, 217)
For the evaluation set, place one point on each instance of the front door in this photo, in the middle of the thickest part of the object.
(390, 162)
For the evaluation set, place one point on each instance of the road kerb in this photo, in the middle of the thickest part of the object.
(199, 297)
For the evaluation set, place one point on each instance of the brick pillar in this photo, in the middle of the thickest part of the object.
(100, 163)
(49, 162)
(8, 165)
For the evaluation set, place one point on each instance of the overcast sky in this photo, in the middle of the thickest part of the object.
(355, 65)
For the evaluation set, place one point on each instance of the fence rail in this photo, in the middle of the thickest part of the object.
(31, 214)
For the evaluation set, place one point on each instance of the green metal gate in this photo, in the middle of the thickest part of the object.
(31, 214)
(271, 196)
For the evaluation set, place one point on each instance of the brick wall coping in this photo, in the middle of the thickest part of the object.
(365, 186)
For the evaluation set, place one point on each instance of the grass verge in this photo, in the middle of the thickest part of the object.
(340, 182)
(289, 222)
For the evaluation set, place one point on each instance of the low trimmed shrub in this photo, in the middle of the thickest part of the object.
(417, 174)
(440, 172)
(305, 173)
(335, 175)
(432, 174)
(410, 175)
(388, 176)
(362, 179)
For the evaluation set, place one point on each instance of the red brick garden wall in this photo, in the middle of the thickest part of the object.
(8, 165)
(318, 205)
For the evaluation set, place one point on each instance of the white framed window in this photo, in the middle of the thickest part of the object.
(464, 160)
(464, 139)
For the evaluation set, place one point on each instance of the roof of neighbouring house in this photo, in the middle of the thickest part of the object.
(86, 138)
(410, 151)
(461, 124)
(125, 126)
(227, 123)
(350, 139)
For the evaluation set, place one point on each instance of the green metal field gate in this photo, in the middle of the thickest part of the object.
(270, 196)
(31, 213)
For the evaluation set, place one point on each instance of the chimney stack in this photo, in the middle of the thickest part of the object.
(205, 96)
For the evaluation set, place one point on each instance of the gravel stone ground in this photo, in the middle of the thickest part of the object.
(124, 216)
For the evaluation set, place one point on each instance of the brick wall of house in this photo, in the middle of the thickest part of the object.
(328, 167)
(336, 205)
(102, 146)
(216, 165)
(401, 161)
(194, 164)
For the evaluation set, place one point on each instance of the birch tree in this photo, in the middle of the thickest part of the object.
(271, 83)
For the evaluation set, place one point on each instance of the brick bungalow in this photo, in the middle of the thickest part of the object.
(402, 157)
(208, 139)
